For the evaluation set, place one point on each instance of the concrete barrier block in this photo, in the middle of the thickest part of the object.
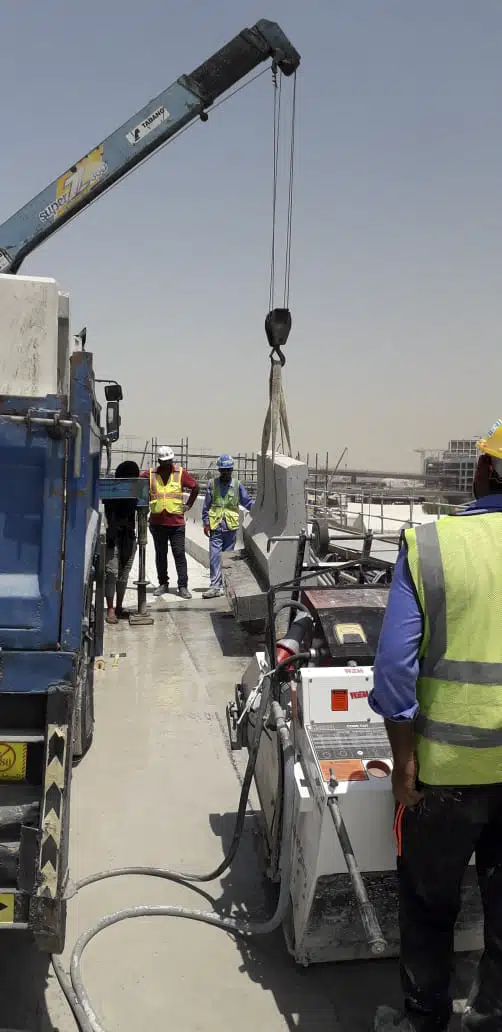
(196, 542)
(280, 509)
(245, 595)
(35, 351)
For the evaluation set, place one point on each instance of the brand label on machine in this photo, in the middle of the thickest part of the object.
(359, 695)
(148, 125)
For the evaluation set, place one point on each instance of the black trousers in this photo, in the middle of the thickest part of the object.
(436, 840)
(175, 536)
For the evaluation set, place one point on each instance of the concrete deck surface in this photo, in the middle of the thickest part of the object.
(160, 787)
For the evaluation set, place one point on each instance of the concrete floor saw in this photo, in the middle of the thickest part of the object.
(343, 896)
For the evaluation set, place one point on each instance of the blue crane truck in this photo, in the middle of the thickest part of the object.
(51, 594)
(51, 549)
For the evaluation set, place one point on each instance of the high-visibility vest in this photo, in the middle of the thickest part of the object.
(224, 508)
(456, 567)
(166, 497)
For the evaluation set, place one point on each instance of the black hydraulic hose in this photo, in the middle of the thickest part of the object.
(372, 930)
(292, 603)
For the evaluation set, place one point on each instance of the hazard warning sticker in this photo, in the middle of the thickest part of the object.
(12, 761)
(344, 770)
(6, 908)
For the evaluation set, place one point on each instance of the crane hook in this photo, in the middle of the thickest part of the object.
(278, 328)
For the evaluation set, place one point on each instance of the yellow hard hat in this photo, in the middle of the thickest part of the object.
(492, 443)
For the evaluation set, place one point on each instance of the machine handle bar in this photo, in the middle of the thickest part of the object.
(371, 925)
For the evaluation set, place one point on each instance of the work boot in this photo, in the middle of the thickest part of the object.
(184, 593)
(213, 592)
(388, 1019)
(161, 590)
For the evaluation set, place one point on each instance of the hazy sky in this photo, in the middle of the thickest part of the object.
(397, 237)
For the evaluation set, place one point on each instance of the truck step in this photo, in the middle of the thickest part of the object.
(19, 821)
(19, 804)
(9, 862)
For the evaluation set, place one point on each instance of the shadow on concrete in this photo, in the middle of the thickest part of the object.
(232, 639)
(24, 973)
(335, 996)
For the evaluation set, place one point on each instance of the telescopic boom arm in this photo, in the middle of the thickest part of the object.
(185, 100)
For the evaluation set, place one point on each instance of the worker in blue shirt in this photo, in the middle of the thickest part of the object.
(438, 686)
(220, 517)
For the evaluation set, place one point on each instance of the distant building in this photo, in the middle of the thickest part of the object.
(452, 470)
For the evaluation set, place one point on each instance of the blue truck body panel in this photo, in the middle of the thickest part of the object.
(49, 519)
(35, 672)
(31, 536)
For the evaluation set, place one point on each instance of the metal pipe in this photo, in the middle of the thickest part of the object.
(300, 558)
(372, 930)
(67, 424)
(142, 543)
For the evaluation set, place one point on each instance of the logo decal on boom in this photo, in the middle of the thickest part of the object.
(153, 121)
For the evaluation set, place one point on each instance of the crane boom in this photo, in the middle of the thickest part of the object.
(147, 130)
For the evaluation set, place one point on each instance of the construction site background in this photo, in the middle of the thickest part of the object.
(333, 491)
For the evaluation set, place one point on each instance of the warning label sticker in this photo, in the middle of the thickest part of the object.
(12, 761)
(6, 907)
(344, 770)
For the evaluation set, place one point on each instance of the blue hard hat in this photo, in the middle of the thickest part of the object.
(225, 462)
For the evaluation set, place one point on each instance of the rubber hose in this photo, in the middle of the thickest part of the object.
(228, 924)
(292, 604)
(74, 990)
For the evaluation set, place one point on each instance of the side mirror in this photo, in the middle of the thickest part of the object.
(113, 392)
(112, 421)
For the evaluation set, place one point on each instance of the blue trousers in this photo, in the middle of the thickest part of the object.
(219, 541)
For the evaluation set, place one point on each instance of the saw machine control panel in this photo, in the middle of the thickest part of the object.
(349, 741)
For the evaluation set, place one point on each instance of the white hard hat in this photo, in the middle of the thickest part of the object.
(165, 453)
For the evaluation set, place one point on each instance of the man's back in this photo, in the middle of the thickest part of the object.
(456, 565)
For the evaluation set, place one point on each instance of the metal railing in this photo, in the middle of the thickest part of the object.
(327, 493)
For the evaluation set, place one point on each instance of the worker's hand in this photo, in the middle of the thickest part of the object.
(207, 529)
(404, 784)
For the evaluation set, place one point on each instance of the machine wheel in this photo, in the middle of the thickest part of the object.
(319, 541)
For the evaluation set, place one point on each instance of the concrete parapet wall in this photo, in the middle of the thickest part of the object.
(196, 542)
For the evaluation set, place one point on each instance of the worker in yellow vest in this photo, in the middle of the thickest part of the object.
(220, 518)
(438, 685)
(167, 517)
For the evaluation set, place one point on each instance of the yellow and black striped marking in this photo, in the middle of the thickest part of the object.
(57, 744)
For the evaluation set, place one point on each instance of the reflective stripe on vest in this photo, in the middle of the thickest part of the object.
(456, 567)
(224, 508)
(166, 497)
